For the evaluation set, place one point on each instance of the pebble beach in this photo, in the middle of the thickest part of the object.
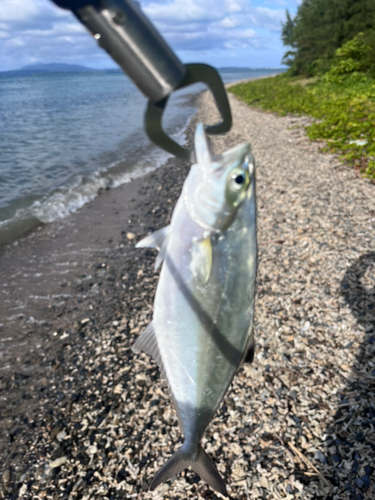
(82, 417)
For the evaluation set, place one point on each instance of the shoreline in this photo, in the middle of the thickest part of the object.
(81, 417)
(39, 270)
(111, 168)
(29, 222)
(71, 287)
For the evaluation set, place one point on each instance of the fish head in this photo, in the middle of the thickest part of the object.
(217, 185)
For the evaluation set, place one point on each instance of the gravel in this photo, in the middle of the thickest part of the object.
(296, 424)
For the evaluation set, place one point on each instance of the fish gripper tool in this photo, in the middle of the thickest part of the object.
(122, 29)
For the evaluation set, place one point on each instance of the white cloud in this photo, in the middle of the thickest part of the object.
(14, 42)
(234, 5)
(282, 3)
(183, 11)
(228, 22)
(18, 10)
(210, 22)
(249, 33)
(38, 31)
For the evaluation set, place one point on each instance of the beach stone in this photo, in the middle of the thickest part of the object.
(23, 490)
(321, 457)
(58, 462)
(6, 477)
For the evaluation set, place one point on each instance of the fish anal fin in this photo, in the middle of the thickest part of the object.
(201, 260)
(147, 342)
(195, 457)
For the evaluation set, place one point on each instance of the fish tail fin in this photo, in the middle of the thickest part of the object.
(195, 457)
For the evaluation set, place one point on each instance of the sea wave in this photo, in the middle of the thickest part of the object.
(72, 197)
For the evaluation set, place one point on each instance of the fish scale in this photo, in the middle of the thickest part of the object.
(202, 328)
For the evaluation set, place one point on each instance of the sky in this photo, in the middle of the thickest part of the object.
(236, 33)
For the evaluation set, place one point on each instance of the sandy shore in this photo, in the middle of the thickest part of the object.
(80, 417)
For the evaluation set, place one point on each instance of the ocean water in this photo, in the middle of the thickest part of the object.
(64, 137)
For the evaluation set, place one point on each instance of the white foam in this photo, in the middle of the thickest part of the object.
(60, 205)
(78, 193)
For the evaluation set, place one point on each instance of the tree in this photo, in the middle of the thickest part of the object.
(287, 36)
(319, 28)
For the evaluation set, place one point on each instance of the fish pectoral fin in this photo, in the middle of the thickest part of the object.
(155, 240)
(158, 240)
(195, 457)
(147, 342)
(201, 260)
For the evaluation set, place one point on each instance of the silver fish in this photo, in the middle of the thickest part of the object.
(202, 328)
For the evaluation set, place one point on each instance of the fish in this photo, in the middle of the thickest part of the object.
(202, 327)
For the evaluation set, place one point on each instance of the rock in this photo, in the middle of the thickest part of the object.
(321, 457)
(92, 449)
(6, 477)
(61, 435)
(118, 389)
(359, 483)
(58, 462)
(23, 490)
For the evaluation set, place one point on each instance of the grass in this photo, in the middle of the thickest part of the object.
(344, 111)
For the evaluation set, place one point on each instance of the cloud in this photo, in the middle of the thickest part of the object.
(228, 22)
(38, 31)
(214, 23)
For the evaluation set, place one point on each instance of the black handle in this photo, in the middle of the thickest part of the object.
(154, 113)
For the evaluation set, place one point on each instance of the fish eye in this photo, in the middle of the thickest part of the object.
(237, 183)
(240, 179)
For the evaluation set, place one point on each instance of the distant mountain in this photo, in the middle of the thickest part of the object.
(51, 68)
(240, 69)
(57, 68)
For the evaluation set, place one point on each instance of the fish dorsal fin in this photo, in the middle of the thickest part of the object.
(158, 240)
(202, 146)
(201, 260)
(147, 342)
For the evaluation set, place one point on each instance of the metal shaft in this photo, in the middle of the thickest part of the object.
(121, 28)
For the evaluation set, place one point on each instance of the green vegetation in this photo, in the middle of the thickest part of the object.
(332, 40)
(320, 27)
(344, 111)
(355, 57)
